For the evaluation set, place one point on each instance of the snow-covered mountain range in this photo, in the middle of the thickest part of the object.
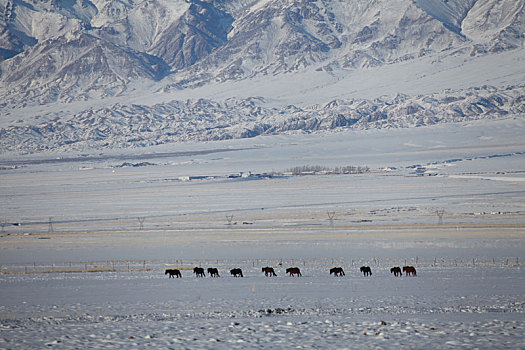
(129, 73)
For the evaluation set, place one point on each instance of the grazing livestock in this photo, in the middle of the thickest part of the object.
(366, 270)
(293, 271)
(268, 271)
(396, 271)
(236, 272)
(213, 272)
(409, 270)
(172, 273)
(337, 271)
(199, 272)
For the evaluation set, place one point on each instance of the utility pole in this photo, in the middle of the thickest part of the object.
(141, 222)
(439, 214)
(50, 227)
(331, 216)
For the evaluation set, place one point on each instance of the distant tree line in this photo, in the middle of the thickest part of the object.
(318, 169)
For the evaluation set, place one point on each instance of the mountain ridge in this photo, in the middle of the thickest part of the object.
(55, 53)
(195, 42)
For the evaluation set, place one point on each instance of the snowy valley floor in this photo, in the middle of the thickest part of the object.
(443, 307)
(448, 200)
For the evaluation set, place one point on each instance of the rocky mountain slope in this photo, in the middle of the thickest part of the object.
(104, 51)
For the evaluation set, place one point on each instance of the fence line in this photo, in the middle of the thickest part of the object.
(226, 264)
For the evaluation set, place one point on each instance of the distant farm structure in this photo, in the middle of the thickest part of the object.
(322, 170)
(302, 170)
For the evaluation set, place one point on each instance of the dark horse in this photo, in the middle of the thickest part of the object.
(409, 270)
(173, 272)
(213, 272)
(236, 272)
(337, 271)
(293, 271)
(199, 272)
(366, 270)
(268, 271)
(396, 271)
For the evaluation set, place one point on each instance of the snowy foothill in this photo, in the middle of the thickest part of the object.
(86, 239)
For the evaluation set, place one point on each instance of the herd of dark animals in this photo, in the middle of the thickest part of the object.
(292, 271)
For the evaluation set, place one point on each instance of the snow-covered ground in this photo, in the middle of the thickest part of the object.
(84, 211)
(443, 307)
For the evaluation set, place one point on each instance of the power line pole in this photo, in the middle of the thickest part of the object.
(440, 213)
(50, 227)
(331, 216)
(141, 222)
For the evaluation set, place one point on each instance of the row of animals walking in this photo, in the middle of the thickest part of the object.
(292, 271)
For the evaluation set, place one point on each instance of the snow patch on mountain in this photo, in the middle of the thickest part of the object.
(450, 12)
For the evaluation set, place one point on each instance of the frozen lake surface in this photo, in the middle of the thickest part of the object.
(449, 200)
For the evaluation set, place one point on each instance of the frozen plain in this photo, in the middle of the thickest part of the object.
(469, 291)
